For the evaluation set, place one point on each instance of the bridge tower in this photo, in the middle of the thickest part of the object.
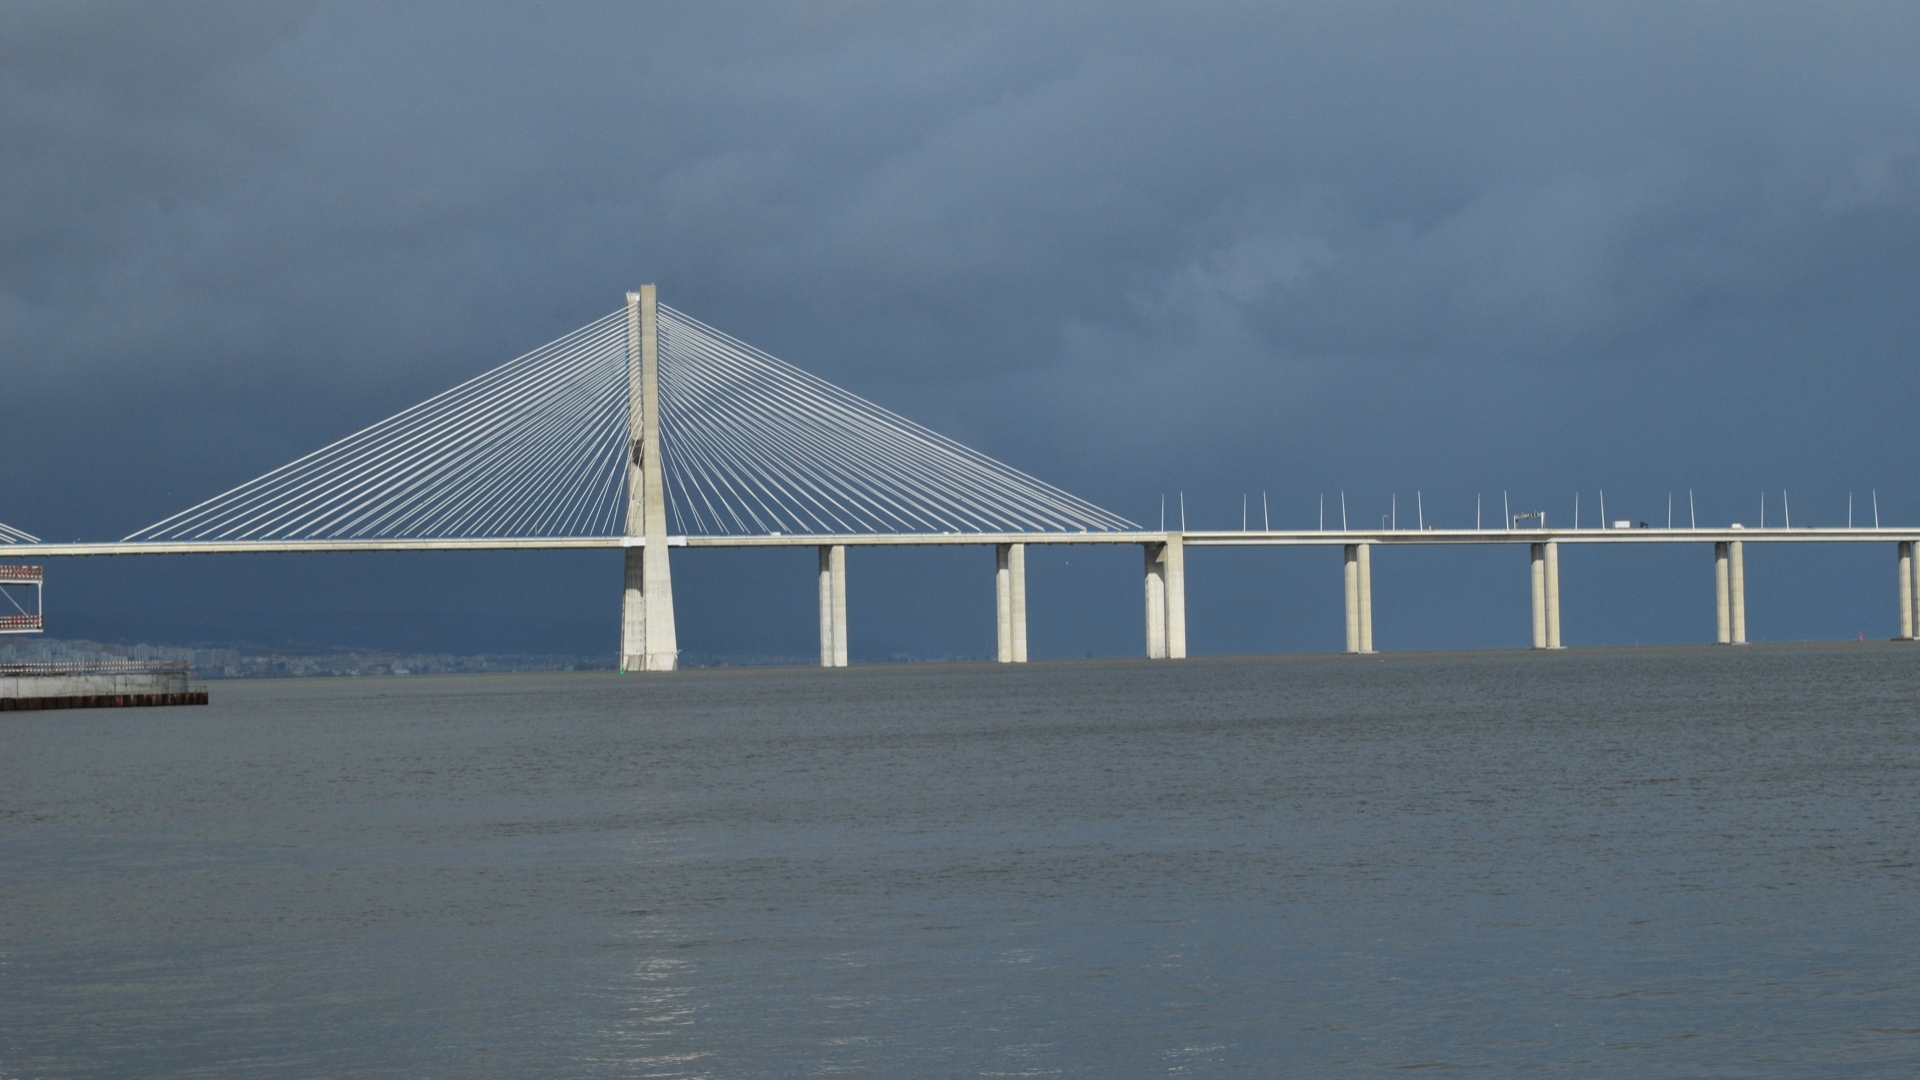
(647, 640)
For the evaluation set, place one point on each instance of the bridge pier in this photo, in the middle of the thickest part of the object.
(1538, 563)
(1366, 598)
(647, 638)
(1737, 591)
(833, 605)
(1358, 570)
(1166, 580)
(1010, 595)
(1722, 601)
(1545, 563)
(1350, 570)
(1156, 580)
(1553, 594)
(1904, 553)
(1176, 560)
(826, 606)
(633, 613)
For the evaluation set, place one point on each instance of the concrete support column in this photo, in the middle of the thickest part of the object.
(1539, 564)
(1002, 605)
(1351, 571)
(837, 570)
(826, 606)
(1156, 581)
(1017, 586)
(1176, 561)
(1363, 572)
(1905, 550)
(633, 613)
(663, 650)
(1722, 604)
(1737, 591)
(1915, 594)
(833, 605)
(1915, 608)
(1553, 594)
(648, 641)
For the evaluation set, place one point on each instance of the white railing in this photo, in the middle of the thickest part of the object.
(109, 666)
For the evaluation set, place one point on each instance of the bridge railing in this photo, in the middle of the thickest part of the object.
(108, 666)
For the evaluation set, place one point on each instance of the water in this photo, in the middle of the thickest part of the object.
(1619, 862)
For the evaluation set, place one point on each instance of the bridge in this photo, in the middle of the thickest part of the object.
(647, 430)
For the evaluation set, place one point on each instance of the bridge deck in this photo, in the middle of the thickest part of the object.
(1208, 538)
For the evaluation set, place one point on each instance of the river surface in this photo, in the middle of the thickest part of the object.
(1619, 862)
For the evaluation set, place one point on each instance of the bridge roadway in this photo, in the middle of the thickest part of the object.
(1165, 576)
(1191, 538)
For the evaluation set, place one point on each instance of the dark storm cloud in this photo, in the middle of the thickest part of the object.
(1319, 181)
(1134, 249)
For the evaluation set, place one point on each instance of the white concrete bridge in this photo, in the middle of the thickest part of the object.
(647, 430)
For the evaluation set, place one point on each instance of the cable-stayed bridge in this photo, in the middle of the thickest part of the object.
(647, 429)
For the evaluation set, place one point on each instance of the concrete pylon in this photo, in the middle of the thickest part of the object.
(833, 605)
(647, 638)
(1914, 596)
(1737, 591)
(1156, 598)
(826, 606)
(1722, 601)
(1904, 552)
(1176, 563)
(1538, 563)
(1350, 571)
(633, 612)
(1553, 595)
(1915, 608)
(1363, 592)
(1010, 601)
(1002, 604)
(1017, 572)
(1166, 597)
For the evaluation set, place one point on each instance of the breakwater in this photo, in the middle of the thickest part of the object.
(95, 684)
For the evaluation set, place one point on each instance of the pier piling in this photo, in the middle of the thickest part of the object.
(1156, 596)
(1539, 580)
(1364, 571)
(1351, 572)
(1722, 610)
(1904, 550)
(1737, 590)
(1553, 594)
(1010, 595)
(833, 605)
(1166, 595)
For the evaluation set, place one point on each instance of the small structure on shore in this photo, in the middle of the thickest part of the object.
(75, 684)
(95, 684)
(20, 604)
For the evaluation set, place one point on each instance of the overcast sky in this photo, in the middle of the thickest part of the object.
(1136, 250)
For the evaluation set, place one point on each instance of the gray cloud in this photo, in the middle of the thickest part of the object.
(1133, 249)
